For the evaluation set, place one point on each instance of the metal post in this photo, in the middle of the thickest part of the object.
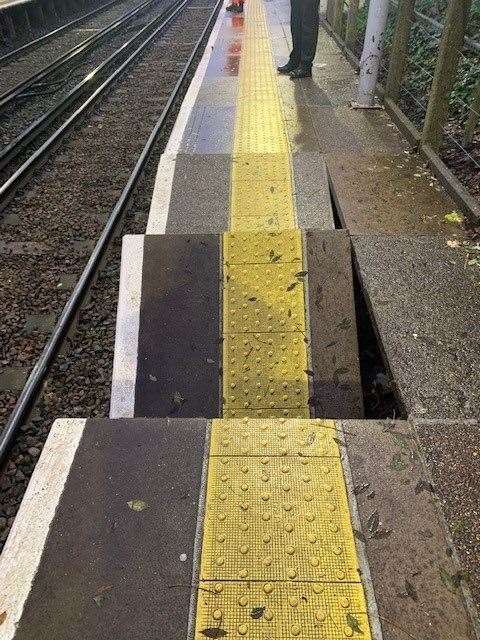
(445, 71)
(372, 53)
(338, 17)
(351, 24)
(399, 49)
(474, 116)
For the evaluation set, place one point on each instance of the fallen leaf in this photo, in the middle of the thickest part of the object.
(454, 217)
(373, 522)
(292, 286)
(359, 535)
(381, 534)
(257, 612)
(411, 591)
(213, 632)
(178, 399)
(354, 624)
(309, 372)
(301, 274)
(152, 377)
(452, 582)
(360, 488)
(340, 442)
(423, 485)
(3, 617)
(137, 505)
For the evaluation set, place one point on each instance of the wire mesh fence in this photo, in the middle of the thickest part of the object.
(459, 131)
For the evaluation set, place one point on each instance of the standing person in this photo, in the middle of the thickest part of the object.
(304, 27)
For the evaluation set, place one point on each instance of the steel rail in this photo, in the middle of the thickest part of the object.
(51, 34)
(35, 382)
(18, 178)
(59, 63)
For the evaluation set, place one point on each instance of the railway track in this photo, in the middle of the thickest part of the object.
(48, 354)
(93, 85)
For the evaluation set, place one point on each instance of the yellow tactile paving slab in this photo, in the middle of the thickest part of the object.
(303, 438)
(281, 611)
(278, 556)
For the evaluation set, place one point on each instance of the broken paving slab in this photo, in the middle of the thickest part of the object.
(423, 296)
(389, 193)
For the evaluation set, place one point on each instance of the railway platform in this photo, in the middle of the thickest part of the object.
(238, 490)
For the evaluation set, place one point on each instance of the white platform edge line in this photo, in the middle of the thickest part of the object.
(366, 576)
(162, 191)
(124, 375)
(23, 550)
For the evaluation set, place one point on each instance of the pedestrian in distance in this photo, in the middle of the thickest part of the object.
(304, 21)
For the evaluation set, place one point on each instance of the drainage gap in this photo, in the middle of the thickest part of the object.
(377, 385)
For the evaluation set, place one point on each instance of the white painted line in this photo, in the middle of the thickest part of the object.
(162, 192)
(122, 402)
(160, 205)
(21, 555)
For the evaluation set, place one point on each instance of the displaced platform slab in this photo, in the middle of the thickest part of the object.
(98, 551)
(397, 195)
(425, 302)
(169, 337)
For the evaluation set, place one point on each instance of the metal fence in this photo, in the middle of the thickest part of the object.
(430, 73)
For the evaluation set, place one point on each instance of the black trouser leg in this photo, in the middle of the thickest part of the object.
(296, 30)
(309, 30)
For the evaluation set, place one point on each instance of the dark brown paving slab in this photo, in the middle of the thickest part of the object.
(337, 389)
(178, 343)
(402, 532)
(200, 196)
(452, 452)
(388, 193)
(107, 570)
(424, 300)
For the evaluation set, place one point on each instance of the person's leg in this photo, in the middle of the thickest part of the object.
(309, 30)
(296, 31)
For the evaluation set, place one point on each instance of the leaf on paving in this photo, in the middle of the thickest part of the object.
(340, 442)
(289, 313)
(373, 522)
(252, 299)
(257, 612)
(453, 244)
(354, 624)
(309, 372)
(210, 361)
(397, 462)
(178, 399)
(292, 286)
(344, 324)
(452, 582)
(213, 632)
(311, 437)
(411, 591)
(301, 274)
(152, 378)
(137, 505)
(360, 488)
(3, 617)
(423, 485)
(454, 217)
(359, 535)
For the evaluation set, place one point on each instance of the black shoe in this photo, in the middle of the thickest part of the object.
(287, 68)
(301, 72)
(237, 8)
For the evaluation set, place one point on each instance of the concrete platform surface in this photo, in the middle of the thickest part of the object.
(113, 545)
(424, 300)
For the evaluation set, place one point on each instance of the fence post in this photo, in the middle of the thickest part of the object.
(330, 11)
(451, 44)
(372, 53)
(474, 116)
(338, 17)
(399, 48)
(351, 23)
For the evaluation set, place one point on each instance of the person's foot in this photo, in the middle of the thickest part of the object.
(235, 8)
(301, 72)
(287, 68)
